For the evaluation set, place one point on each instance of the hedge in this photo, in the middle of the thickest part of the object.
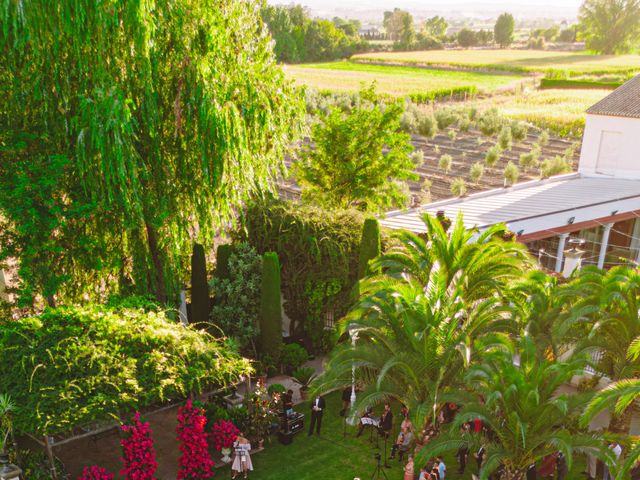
(369, 246)
(444, 93)
(579, 84)
(75, 366)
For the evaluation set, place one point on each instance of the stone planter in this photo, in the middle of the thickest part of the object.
(225, 455)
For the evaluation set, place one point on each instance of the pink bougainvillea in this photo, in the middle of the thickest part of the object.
(224, 434)
(195, 462)
(138, 455)
(95, 473)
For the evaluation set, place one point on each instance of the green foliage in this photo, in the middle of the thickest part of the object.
(467, 38)
(237, 295)
(445, 117)
(417, 157)
(530, 159)
(543, 139)
(318, 250)
(162, 126)
(554, 166)
(299, 38)
(476, 171)
(199, 285)
(427, 125)
(293, 356)
(493, 155)
(511, 173)
(444, 162)
(270, 307)
(146, 303)
(519, 131)
(578, 84)
(223, 253)
(304, 376)
(399, 26)
(452, 134)
(503, 30)
(369, 246)
(436, 26)
(610, 26)
(505, 139)
(358, 159)
(490, 122)
(77, 365)
(459, 187)
(276, 388)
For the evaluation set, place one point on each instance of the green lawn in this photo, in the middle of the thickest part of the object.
(510, 60)
(334, 457)
(391, 80)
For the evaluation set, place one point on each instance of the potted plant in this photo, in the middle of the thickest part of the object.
(304, 376)
(262, 413)
(224, 433)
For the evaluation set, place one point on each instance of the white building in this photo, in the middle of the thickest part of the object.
(599, 204)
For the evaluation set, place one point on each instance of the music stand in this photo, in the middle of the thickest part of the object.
(379, 470)
(386, 436)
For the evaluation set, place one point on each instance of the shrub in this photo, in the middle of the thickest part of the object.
(505, 139)
(476, 171)
(445, 117)
(427, 125)
(417, 157)
(445, 162)
(369, 246)
(293, 356)
(276, 388)
(425, 191)
(195, 462)
(554, 166)
(223, 434)
(543, 139)
(270, 307)
(452, 134)
(490, 122)
(511, 173)
(319, 252)
(199, 285)
(109, 362)
(519, 131)
(237, 296)
(458, 187)
(138, 454)
(493, 155)
(464, 125)
(531, 159)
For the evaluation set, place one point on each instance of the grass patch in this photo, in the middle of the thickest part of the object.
(517, 61)
(335, 457)
(547, 83)
(424, 84)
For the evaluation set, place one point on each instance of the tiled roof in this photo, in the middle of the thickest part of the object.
(622, 102)
(532, 206)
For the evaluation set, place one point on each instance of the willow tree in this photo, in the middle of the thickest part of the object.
(171, 113)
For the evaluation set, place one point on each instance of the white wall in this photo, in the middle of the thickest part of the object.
(611, 147)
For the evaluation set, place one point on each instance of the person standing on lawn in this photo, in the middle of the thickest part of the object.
(242, 458)
(317, 409)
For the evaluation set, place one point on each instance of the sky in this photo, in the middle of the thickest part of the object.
(371, 9)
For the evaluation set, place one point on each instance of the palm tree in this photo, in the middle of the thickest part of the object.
(610, 310)
(417, 321)
(6, 408)
(515, 394)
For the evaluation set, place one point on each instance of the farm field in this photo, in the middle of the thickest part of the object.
(561, 111)
(534, 61)
(397, 81)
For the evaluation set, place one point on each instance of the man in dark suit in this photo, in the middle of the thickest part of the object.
(317, 409)
(386, 421)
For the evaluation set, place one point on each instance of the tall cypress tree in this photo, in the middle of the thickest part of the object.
(199, 285)
(271, 307)
(369, 246)
(222, 260)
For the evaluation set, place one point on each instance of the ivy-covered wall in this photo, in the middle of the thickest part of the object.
(318, 251)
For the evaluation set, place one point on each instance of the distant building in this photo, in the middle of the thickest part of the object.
(372, 32)
(599, 204)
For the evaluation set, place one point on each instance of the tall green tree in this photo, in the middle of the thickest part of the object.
(418, 320)
(515, 394)
(399, 26)
(436, 26)
(503, 30)
(358, 158)
(610, 26)
(168, 117)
